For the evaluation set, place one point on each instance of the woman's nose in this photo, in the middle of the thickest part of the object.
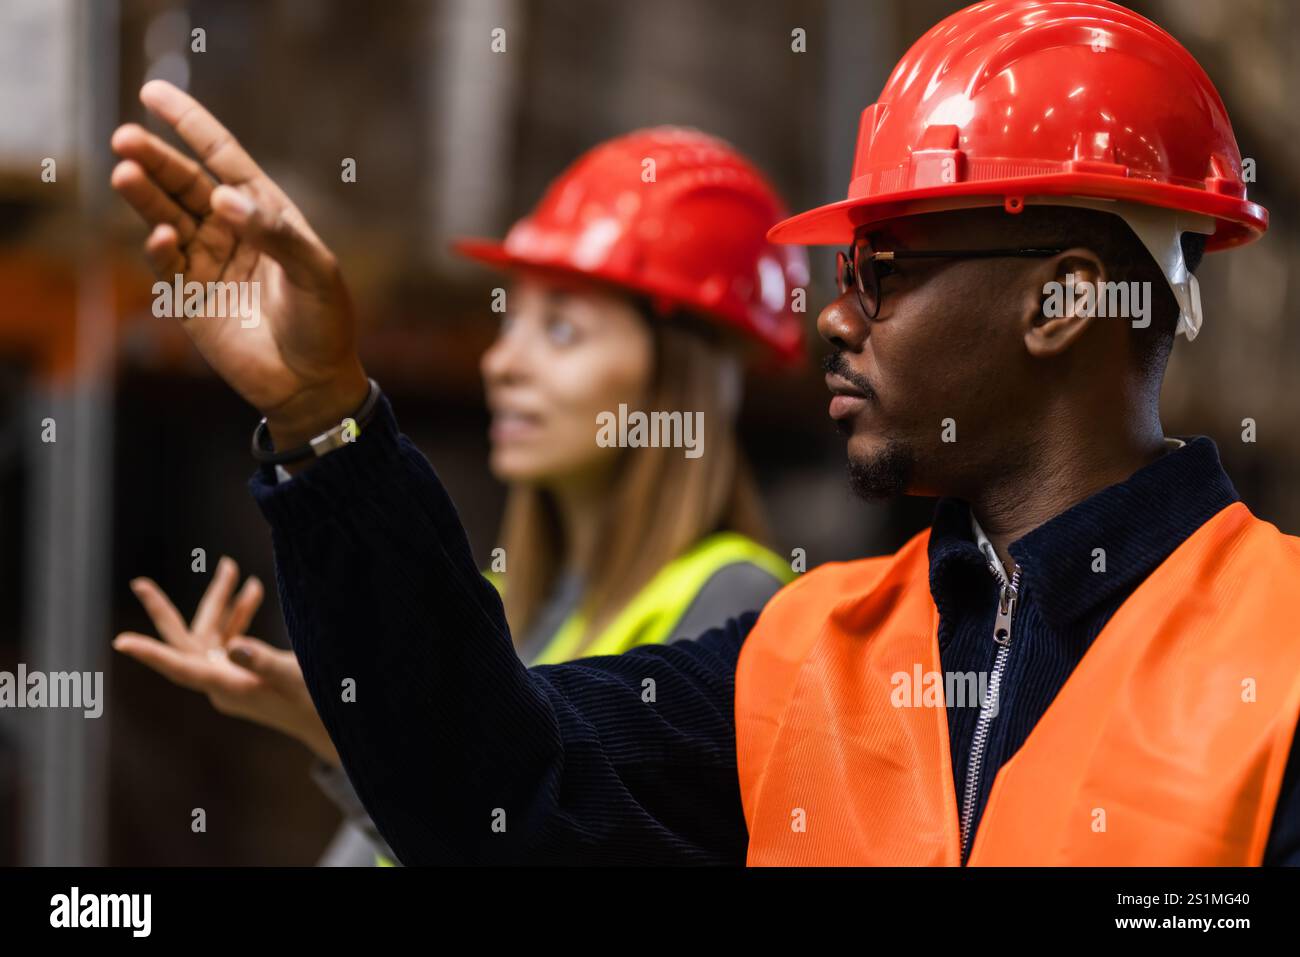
(503, 360)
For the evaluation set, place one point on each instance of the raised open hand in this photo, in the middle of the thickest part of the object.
(241, 676)
(220, 219)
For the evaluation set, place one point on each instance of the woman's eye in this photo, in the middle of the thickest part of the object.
(561, 332)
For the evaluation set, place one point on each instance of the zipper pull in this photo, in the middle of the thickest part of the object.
(1006, 609)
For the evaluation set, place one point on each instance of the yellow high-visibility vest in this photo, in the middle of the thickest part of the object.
(650, 617)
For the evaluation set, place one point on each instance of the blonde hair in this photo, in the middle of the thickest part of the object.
(660, 503)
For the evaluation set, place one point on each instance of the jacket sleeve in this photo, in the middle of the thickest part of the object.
(1283, 847)
(458, 752)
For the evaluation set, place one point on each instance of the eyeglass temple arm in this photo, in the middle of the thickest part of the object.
(887, 255)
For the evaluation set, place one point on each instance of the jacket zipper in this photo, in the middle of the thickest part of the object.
(1008, 592)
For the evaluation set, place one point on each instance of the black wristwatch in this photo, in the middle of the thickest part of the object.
(345, 433)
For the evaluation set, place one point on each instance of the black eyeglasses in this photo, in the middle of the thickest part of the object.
(862, 268)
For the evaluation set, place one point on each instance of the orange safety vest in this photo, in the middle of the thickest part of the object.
(1166, 745)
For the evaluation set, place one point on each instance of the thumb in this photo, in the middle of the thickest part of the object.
(278, 668)
(278, 232)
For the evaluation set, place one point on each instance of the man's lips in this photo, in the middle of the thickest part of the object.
(846, 399)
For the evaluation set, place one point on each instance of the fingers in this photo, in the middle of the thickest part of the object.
(178, 667)
(216, 617)
(149, 199)
(214, 145)
(210, 614)
(244, 608)
(170, 253)
(178, 175)
(163, 247)
(257, 213)
(171, 626)
(168, 189)
(278, 668)
(280, 232)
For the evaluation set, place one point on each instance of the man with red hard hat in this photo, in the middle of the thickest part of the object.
(1088, 658)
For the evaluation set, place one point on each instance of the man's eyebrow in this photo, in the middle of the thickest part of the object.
(882, 236)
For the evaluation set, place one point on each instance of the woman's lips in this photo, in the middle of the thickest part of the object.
(513, 426)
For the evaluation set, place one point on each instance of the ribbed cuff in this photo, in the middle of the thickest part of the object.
(330, 482)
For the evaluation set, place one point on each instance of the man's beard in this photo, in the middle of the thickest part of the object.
(884, 474)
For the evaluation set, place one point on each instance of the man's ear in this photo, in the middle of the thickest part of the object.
(1061, 301)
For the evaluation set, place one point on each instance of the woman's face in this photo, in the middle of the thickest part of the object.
(563, 356)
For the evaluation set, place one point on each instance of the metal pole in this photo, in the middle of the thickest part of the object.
(65, 798)
(471, 91)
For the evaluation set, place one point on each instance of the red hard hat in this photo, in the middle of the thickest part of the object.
(688, 230)
(1025, 100)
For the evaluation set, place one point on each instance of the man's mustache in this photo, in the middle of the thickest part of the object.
(836, 364)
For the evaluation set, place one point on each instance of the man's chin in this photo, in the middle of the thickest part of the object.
(882, 472)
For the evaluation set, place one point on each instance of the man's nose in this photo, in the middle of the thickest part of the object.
(843, 325)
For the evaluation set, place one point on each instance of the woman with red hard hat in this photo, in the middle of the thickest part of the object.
(639, 282)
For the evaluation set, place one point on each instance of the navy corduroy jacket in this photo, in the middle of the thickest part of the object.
(463, 755)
